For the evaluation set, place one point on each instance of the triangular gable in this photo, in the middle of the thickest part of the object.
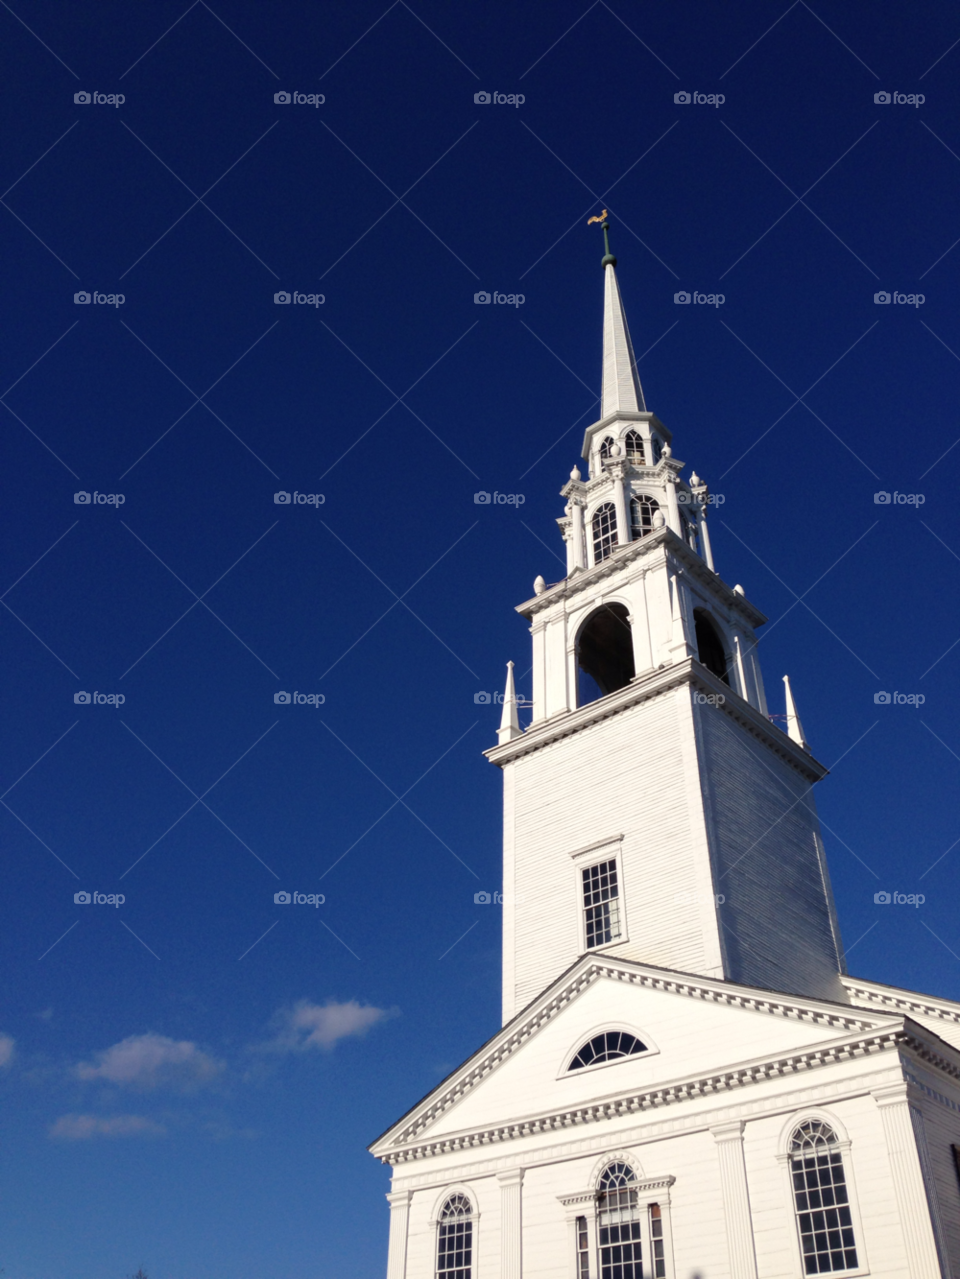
(725, 1016)
(942, 1016)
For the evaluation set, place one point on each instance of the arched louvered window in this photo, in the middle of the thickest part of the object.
(607, 1047)
(642, 510)
(619, 1226)
(455, 1239)
(633, 442)
(604, 531)
(821, 1200)
(605, 448)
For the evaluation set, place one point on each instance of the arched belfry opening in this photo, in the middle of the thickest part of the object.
(710, 648)
(604, 653)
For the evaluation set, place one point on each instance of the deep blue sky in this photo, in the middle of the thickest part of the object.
(166, 1102)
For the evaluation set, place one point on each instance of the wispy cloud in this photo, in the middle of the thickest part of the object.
(152, 1061)
(85, 1127)
(321, 1026)
(6, 1049)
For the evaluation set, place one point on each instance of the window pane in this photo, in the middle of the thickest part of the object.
(821, 1200)
(455, 1240)
(601, 903)
(604, 531)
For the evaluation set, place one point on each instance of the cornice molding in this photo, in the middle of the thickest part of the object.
(903, 1001)
(582, 977)
(655, 684)
(736, 1077)
(688, 561)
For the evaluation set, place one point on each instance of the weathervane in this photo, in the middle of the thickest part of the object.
(604, 220)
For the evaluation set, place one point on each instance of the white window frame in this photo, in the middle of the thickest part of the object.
(844, 1145)
(606, 850)
(435, 1222)
(651, 1050)
(650, 1190)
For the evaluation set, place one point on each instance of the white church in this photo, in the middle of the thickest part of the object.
(687, 1083)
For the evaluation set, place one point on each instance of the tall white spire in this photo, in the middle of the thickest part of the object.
(621, 381)
(794, 727)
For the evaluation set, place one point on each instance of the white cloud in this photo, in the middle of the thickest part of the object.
(84, 1127)
(308, 1025)
(6, 1049)
(152, 1061)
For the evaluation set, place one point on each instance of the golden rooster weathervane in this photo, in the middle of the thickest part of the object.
(601, 218)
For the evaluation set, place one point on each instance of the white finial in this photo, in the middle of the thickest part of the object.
(575, 473)
(658, 520)
(509, 721)
(539, 585)
(616, 450)
(794, 727)
(694, 480)
(667, 451)
(738, 589)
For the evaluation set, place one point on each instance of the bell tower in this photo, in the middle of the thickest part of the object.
(652, 809)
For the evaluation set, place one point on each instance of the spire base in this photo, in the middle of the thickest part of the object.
(608, 260)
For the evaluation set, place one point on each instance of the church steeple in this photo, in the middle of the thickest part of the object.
(651, 807)
(622, 391)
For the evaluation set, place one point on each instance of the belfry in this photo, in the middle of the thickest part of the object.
(687, 1082)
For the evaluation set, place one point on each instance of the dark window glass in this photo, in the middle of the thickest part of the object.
(607, 1047)
(604, 531)
(619, 1225)
(642, 510)
(634, 448)
(821, 1200)
(455, 1240)
(601, 903)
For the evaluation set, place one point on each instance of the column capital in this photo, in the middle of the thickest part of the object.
(732, 1131)
(510, 1177)
(891, 1094)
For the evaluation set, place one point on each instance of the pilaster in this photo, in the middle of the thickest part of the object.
(908, 1182)
(399, 1201)
(511, 1232)
(736, 1200)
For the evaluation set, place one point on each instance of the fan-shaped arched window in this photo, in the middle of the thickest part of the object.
(604, 531)
(642, 510)
(607, 1047)
(633, 443)
(821, 1200)
(619, 1225)
(605, 448)
(455, 1239)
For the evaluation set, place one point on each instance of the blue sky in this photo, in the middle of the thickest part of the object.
(191, 1076)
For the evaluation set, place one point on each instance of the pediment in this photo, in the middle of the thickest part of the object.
(693, 1028)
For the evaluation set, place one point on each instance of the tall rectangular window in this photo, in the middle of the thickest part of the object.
(621, 1246)
(601, 904)
(656, 1243)
(583, 1249)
